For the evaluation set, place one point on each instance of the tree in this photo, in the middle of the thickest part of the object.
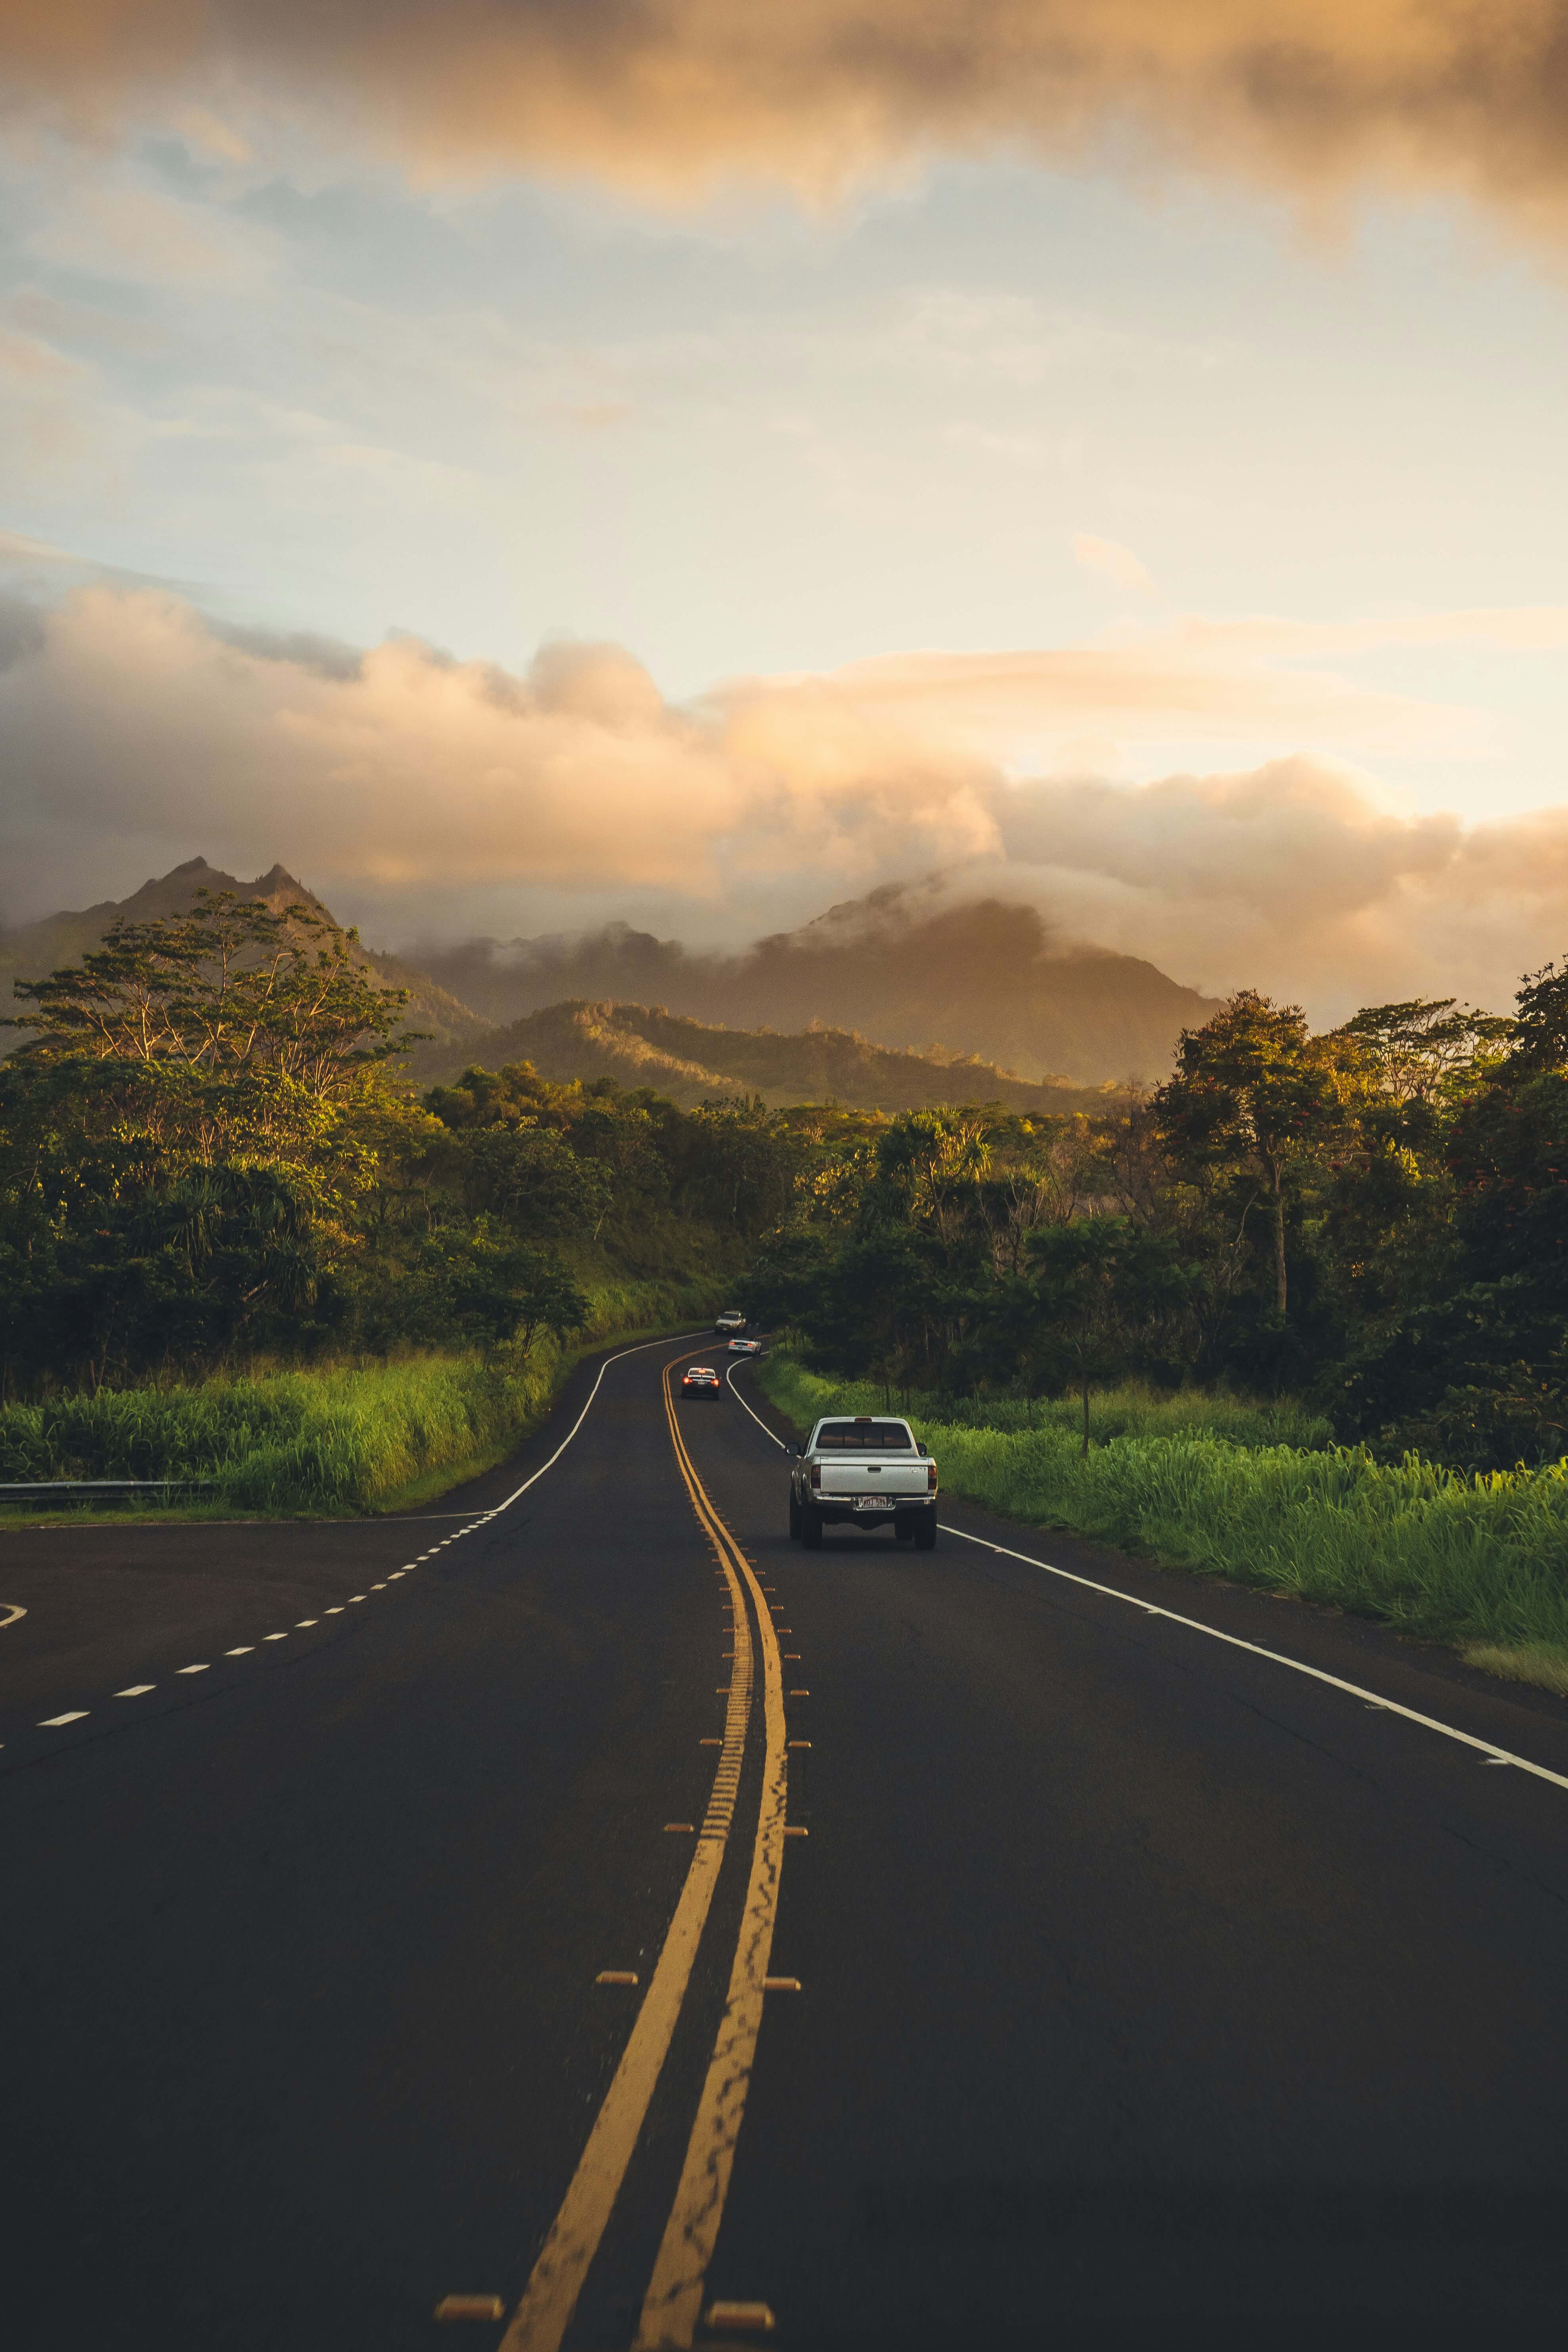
(1097, 1282)
(1255, 1093)
(1417, 1050)
(236, 985)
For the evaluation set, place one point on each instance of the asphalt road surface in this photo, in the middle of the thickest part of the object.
(1128, 1986)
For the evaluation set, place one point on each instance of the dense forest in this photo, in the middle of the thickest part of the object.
(1374, 1219)
(208, 1158)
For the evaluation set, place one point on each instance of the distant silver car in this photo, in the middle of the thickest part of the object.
(732, 1319)
(745, 1348)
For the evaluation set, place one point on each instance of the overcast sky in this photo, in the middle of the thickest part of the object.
(519, 465)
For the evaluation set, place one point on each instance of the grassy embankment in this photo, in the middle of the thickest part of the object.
(1256, 1493)
(349, 1439)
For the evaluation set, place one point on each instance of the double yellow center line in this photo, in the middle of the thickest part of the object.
(673, 2303)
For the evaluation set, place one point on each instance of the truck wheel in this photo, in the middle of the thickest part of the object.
(795, 1518)
(903, 1531)
(925, 1533)
(810, 1528)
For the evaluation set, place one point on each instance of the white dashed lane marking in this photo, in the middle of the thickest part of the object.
(11, 1611)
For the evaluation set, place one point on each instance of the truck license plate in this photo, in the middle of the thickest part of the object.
(870, 1503)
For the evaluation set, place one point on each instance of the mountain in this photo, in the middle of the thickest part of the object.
(645, 1046)
(34, 950)
(791, 1017)
(903, 966)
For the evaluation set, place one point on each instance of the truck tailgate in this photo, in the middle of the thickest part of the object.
(862, 1475)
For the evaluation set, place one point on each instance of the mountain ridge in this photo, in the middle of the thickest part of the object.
(692, 1062)
(33, 951)
(904, 965)
(847, 1007)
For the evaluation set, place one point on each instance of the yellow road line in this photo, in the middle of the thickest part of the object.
(544, 2314)
(673, 2304)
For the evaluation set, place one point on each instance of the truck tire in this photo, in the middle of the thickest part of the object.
(795, 1518)
(903, 1530)
(810, 1527)
(925, 1531)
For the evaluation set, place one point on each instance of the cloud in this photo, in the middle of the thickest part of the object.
(1108, 560)
(423, 792)
(672, 95)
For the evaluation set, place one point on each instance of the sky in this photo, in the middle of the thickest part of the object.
(523, 466)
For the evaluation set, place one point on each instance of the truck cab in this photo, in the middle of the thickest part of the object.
(866, 1470)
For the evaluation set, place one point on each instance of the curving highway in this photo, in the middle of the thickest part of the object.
(578, 1917)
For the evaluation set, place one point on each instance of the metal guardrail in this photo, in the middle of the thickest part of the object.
(24, 1489)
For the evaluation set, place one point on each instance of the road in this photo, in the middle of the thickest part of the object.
(1126, 1982)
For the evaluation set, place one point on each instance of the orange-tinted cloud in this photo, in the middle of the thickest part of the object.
(670, 95)
(425, 793)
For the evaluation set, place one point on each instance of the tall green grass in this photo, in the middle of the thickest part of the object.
(350, 1439)
(1481, 1561)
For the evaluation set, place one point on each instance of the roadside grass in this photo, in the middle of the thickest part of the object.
(1531, 1662)
(1130, 1410)
(343, 1441)
(1478, 1561)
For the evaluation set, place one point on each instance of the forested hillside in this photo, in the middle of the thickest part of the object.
(208, 1157)
(641, 1044)
(211, 1154)
(1375, 1218)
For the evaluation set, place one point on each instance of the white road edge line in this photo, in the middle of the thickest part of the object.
(1493, 1755)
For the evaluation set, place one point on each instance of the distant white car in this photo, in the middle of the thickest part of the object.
(732, 1319)
(745, 1348)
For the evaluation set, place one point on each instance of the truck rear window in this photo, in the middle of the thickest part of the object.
(865, 1436)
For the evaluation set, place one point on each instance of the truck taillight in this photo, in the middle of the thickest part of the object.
(930, 1477)
(815, 1473)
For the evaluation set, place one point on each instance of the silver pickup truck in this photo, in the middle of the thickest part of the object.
(867, 1473)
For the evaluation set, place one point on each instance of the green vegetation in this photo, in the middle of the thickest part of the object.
(1376, 1220)
(345, 1438)
(1373, 1220)
(235, 1245)
(1480, 1560)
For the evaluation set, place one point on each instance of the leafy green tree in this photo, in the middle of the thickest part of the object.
(1256, 1094)
(1097, 1285)
(235, 986)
